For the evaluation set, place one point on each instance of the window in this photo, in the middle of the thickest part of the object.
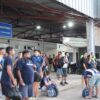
(97, 56)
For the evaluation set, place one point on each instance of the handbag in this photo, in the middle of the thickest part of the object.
(14, 93)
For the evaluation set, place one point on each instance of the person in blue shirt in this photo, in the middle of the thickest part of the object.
(25, 75)
(7, 80)
(37, 60)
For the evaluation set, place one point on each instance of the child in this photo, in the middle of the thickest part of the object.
(94, 80)
(49, 87)
(46, 81)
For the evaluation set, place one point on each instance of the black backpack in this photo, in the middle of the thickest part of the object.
(15, 69)
(61, 62)
(15, 72)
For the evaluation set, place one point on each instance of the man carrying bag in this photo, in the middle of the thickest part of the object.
(8, 82)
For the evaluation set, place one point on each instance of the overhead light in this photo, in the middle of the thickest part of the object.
(38, 27)
(70, 24)
(66, 40)
(64, 26)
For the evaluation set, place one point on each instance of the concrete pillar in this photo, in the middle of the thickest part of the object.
(90, 36)
(74, 55)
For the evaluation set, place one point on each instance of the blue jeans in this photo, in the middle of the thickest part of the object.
(59, 71)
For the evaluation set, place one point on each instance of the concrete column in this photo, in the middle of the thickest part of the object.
(90, 36)
(74, 54)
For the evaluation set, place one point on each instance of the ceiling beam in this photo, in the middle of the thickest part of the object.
(43, 8)
(30, 17)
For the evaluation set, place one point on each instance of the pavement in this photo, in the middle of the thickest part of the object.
(71, 94)
(72, 91)
(73, 82)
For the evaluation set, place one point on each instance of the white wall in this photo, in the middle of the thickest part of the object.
(18, 44)
(63, 48)
(97, 36)
(84, 6)
(48, 48)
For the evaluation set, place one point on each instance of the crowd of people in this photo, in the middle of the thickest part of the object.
(30, 71)
(90, 74)
(25, 71)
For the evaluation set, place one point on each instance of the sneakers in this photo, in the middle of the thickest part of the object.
(61, 83)
(92, 97)
(95, 96)
(66, 82)
(33, 98)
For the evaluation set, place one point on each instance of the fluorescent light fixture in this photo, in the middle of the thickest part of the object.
(70, 24)
(38, 27)
(66, 40)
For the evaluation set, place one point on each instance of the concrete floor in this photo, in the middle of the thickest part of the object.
(71, 94)
(72, 91)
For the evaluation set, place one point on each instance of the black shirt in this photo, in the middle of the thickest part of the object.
(60, 62)
(83, 61)
(50, 60)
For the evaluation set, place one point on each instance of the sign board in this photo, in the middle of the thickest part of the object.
(75, 42)
(5, 30)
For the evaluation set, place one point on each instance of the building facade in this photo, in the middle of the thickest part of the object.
(87, 7)
(90, 8)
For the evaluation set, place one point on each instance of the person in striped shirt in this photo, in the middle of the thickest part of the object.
(94, 81)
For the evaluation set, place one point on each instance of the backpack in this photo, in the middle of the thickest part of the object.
(85, 92)
(52, 91)
(15, 69)
(61, 62)
(15, 72)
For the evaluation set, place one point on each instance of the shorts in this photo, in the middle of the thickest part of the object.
(84, 73)
(64, 72)
(94, 80)
(26, 91)
(5, 89)
(59, 71)
(37, 77)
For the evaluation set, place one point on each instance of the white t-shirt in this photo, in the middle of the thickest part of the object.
(65, 62)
